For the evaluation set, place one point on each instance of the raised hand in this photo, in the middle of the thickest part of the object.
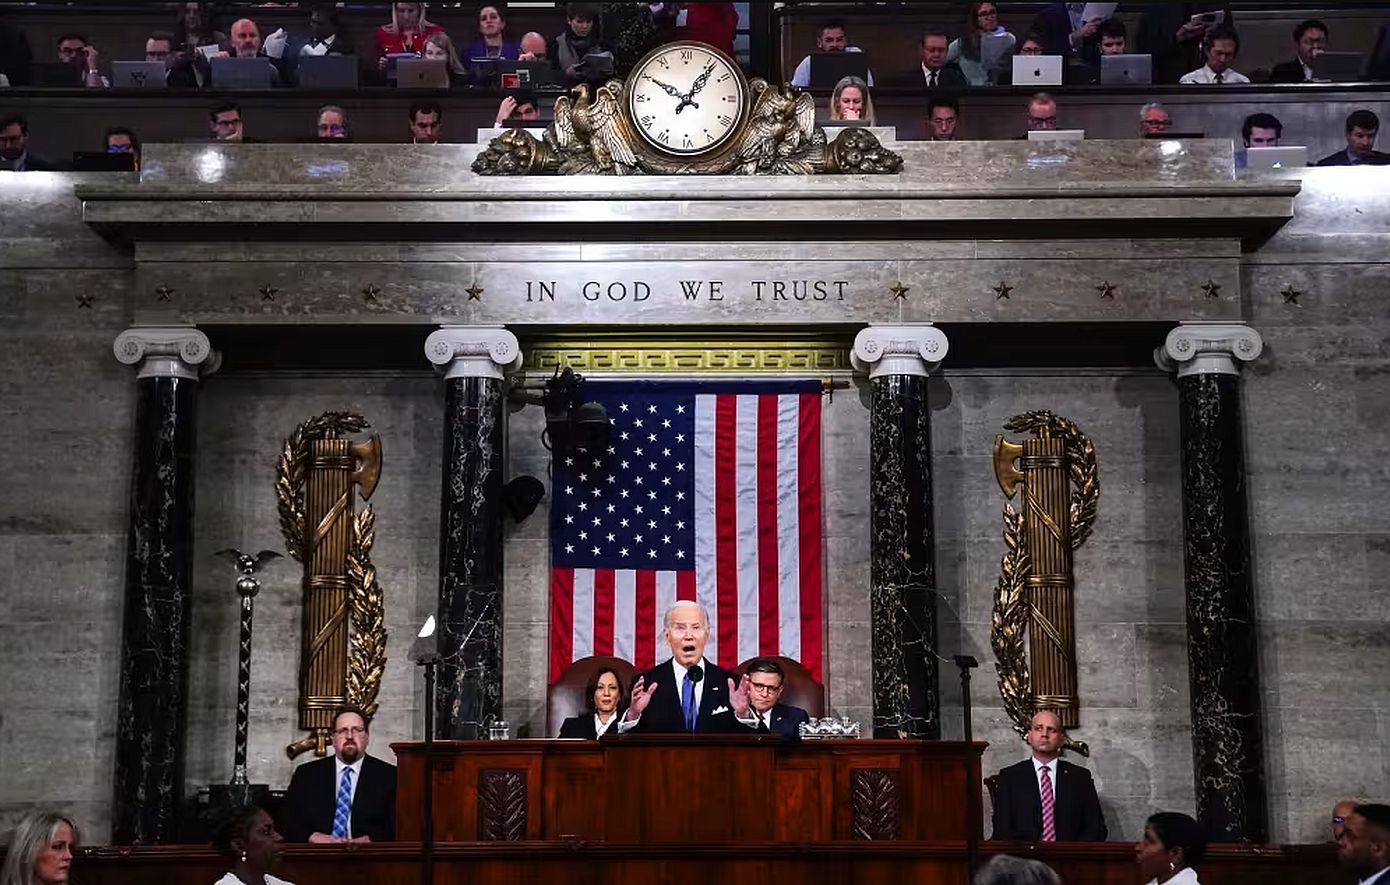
(670, 90)
(640, 698)
(738, 696)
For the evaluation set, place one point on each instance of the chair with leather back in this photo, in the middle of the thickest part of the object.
(566, 697)
(800, 689)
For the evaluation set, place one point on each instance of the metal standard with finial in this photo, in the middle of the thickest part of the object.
(247, 586)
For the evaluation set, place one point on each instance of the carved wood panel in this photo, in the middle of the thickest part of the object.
(501, 804)
(874, 797)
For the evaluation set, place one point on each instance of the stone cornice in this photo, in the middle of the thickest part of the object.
(167, 351)
(473, 351)
(1209, 349)
(909, 349)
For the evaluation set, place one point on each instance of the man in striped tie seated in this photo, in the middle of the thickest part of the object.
(350, 797)
(1044, 799)
(687, 693)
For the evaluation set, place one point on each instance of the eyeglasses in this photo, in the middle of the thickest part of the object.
(763, 688)
(234, 122)
(1338, 819)
(349, 732)
(1043, 121)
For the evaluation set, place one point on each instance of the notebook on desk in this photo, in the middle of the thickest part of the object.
(1037, 70)
(242, 73)
(1291, 157)
(138, 75)
(1126, 70)
(829, 68)
(1339, 67)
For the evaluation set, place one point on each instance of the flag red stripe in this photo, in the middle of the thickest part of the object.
(643, 636)
(809, 480)
(726, 527)
(768, 603)
(685, 585)
(561, 620)
(604, 589)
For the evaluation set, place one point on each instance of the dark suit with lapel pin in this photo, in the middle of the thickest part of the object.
(783, 719)
(1077, 815)
(663, 713)
(312, 798)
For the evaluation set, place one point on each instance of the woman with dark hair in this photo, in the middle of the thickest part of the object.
(492, 40)
(248, 834)
(607, 700)
(1172, 845)
(188, 68)
(982, 68)
(41, 849)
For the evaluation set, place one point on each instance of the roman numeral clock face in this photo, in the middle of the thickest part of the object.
(686, 99)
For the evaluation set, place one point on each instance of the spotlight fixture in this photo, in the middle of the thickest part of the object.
(521, 496)
(571, 423)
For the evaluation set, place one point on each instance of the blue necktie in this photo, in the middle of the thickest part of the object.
(344, 808)
(688, 701)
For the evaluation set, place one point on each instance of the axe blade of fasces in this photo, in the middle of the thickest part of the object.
(1006, 455)
(368, 455)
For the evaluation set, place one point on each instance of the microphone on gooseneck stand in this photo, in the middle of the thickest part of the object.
(690, 709)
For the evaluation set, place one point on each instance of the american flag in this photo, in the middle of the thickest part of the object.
(708, 491)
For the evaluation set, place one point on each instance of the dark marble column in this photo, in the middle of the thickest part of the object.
(1222, 642)
(469, 694)
(902, 574)
(153, 705)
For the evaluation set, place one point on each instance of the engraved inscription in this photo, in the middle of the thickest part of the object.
(780, 292)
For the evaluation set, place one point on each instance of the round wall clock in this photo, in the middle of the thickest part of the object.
(687, 99)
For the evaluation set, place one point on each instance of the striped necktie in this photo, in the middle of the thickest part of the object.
(343, 811)
(1049, 808)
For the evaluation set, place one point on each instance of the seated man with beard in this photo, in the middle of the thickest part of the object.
(350, 797)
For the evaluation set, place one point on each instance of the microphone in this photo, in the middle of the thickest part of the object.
(695, 673)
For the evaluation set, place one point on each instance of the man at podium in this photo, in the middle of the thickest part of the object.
(687, 693)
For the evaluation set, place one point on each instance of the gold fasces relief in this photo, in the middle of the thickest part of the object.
(758, 129)
(1033, 630)
(344, 635)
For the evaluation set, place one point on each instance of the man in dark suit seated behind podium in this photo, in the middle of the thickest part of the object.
(765, 683)
(1044, 799)
(687, 693)
(350, 797)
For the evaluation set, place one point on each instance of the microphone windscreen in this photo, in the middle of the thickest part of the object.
(696, 673)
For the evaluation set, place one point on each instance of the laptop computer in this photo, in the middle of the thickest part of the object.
(242, 73)
(1290, 157)
(138, 75)
(332, 71)
(1057, 135)
(1037, 70)
(483, 72)
(102, 161)
(58, 74)
(1126, 70)
(422, 73)
(1339, 67)
(829, 68)
(528, 75)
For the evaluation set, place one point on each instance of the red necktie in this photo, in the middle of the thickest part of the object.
(1049, 808)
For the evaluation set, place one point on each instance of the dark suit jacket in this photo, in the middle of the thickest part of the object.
(582, 726)
(1053, 24)
(1287, 72)
(952, 77)
(1018, 805)
(1341, 159)
(785, 718)
(663, 714)
(313, 795)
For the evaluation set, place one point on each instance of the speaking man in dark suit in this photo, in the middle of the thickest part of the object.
(687, 693)
(765, 683)
(1044, 799)
(1362, 128)
(350, 797)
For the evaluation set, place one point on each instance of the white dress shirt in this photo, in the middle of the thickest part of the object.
(338, 766)
(1378, 877)
(600, 727)
(1038, 765)
(1205, 75)
(231, 879)
(1184, 876)
(802, 77)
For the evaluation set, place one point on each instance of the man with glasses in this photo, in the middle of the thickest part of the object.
(1042, 112)
(1340, 812)
(350, 797)
(1154, 120)
(225, 121)
(765, 683)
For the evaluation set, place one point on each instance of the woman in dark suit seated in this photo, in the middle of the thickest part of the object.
(607, 700)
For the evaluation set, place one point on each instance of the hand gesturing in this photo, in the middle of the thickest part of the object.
(640, 698)
(738, 697)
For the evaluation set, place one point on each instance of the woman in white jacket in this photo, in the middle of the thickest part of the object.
(1172, 845)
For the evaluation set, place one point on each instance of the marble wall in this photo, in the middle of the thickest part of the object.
(1316, 423)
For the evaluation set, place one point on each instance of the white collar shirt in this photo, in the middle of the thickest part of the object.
(338, 766)
(601, 727)
(1379, 877)
(1038, 766)
(1184, 876)
(801, 77)
(1206, 76)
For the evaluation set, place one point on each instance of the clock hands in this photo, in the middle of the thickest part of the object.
(670, 90)
(700, 81)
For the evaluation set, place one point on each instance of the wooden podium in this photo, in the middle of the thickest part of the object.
(682, 788)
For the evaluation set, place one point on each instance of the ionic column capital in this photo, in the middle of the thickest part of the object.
(167, 351)
(907, 349)
(473, 351)
(1208, 349)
